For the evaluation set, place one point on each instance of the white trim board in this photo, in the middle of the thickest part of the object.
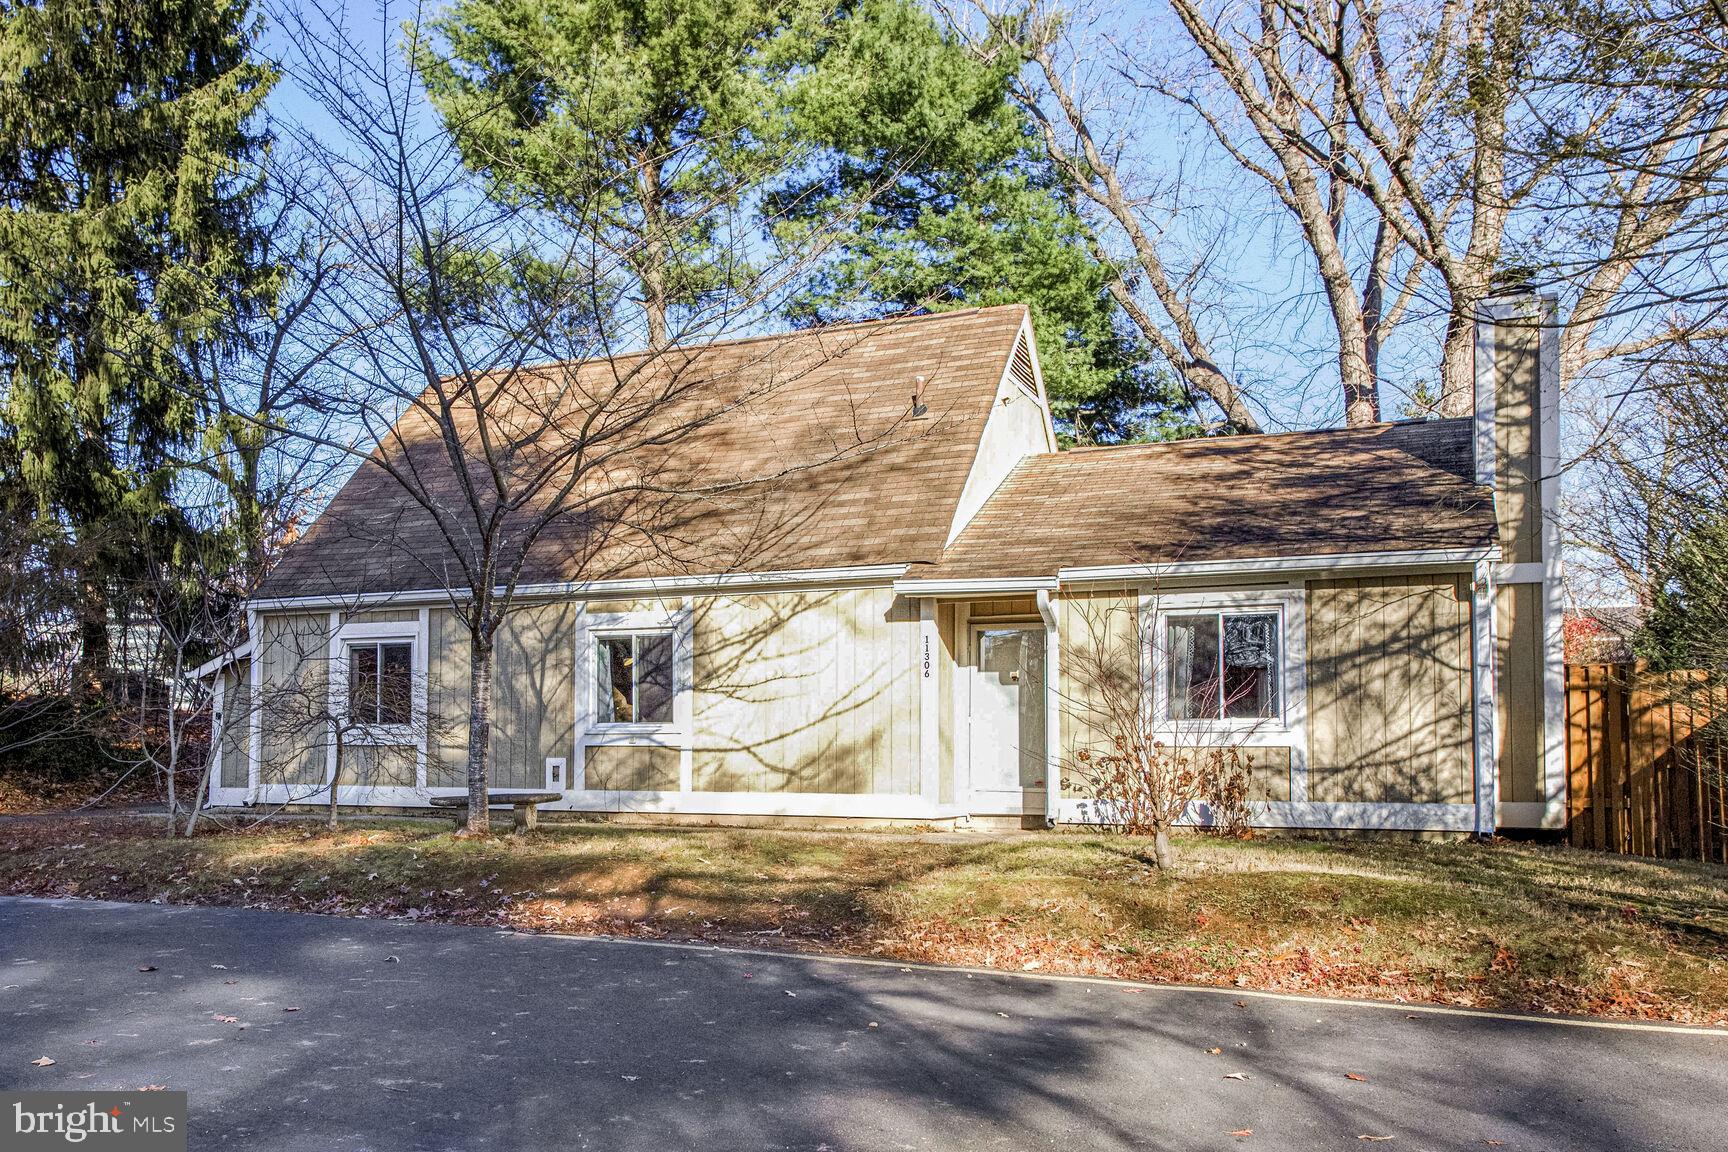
(1342, 561)
(1485, 703)
(1357, 816)
(646, 588)
(976, 587)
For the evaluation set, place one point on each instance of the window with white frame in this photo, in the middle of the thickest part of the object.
(633, 678)
(381, 682)
(1224, 665)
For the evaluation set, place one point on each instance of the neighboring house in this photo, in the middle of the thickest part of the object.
(1372, 611)
(1603, 634)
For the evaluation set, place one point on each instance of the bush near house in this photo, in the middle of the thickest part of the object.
(1506, 926)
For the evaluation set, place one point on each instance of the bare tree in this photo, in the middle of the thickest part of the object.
(472, 355)
(1423, 150)
(1655, 468)
(1148, 755)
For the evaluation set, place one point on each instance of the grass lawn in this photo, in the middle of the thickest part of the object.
(1505, 926)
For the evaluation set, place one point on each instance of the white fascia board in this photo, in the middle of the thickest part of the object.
(981, 587)
(875, 574)
(216, 663)
(1423, 558)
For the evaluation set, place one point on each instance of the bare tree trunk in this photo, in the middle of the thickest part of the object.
(479, 731)
(1161, 848)
(173, 800)
(1458, 363)
(651, 268)
(203, 791)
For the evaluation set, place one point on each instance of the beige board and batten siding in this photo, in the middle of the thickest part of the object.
(1518, 639)
(807, 692)
(533, 695)
(380, 765)
(447, 695)
(294, 669)
(1109, 620)
(236, 725)
(1099, 638)
(1517, 440)
(1389, 702)
(947, 663)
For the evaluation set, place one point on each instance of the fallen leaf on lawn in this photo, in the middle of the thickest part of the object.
(1373, 1137)
(1235, 1076)
(225, 1019)
(1241, 1132)
(1355, 1076)
(42, 1061)
(147, 968)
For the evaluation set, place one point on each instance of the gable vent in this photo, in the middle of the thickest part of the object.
(1020, 367)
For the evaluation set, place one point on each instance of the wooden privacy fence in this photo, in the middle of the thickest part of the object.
(1643, 776)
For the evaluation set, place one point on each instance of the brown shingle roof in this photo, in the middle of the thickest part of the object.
(854, 480)
(1389, 487)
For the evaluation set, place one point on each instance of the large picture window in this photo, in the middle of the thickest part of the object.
(1223, 666)
(381, 683)
(633, 678)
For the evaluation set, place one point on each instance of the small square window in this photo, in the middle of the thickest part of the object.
(1223, 666)
(381, 683)
(633, 678)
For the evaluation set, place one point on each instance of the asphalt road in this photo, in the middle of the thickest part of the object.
(410, 1036)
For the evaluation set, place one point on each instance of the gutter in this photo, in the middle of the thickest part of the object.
(602, 589)
(988, 586)
(1419, 558)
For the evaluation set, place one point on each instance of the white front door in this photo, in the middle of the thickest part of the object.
(1005, 719)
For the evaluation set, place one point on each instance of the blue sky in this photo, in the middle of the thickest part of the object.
(1269, 326)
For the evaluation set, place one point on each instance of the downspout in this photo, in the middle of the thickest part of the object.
(1484, 677)
(1052, 710)
(1486, 705)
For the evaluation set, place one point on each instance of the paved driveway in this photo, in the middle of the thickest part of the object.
(428, 1037)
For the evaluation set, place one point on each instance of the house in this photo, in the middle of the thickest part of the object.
(897, 631)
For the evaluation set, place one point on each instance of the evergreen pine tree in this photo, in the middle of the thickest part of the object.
(129, 158)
